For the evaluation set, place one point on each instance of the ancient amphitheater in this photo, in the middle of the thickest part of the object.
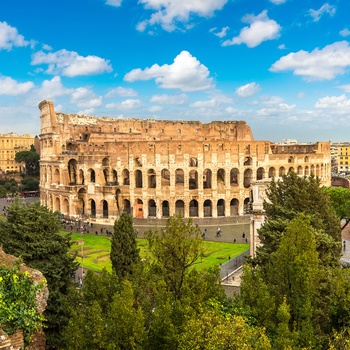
(96, 168)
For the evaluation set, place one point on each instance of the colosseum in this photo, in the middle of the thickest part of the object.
(96, 168)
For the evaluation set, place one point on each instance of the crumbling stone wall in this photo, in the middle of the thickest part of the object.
(96, 168)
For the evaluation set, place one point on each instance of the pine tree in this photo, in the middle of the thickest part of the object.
(124, 252)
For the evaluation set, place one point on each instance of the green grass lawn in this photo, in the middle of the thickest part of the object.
(96, 251)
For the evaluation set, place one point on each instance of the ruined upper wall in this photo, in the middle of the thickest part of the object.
(86, 127)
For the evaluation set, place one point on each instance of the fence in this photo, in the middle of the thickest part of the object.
(228, 267)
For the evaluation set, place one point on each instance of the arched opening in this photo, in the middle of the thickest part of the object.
(165, 178)
(246, 205)
(272, 172)
(312, 172)
(125, 176)
(282, 171)
(179, 207)
(139, 208)
(118, 200)
(220, 178)
(291, 159)
(207, 175)
(234, 205)
(72, 171)
(193, 180)
(165, 209)
(307, 171)
(126, 206)
(92, 175)
(81, 210)
(248, 161)
(260, 173)
(105, 209)
(105, 162)
(114, 177)
(317, 170)
(207, 208)
(193, 208)
(138, 179)
(151, 178)
(56, 177)
(300, 170)
(179, 177)
(57, 205)
(65, 207)
(92, 208)
(248, 177)
(306, 159)
(152, 208)
(291, 170)
(81, 177)
(234, 176)
(193, 162)
(221, 207)
(106, 176)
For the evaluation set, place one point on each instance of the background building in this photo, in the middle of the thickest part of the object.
(96, 168)
(10, 144)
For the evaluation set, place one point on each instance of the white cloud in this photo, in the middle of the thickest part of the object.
(345, 32)
(248, 90)
(171, 13)
(338, 102)
(325, 8)
(208, 104)
(346, 87)
(324, 64)
(282, 47)
(85, 98)
(70, 64)
(278, 2)
(9, 86)
(129, 104)
(261, 29)
(51, 88)
(121, 91)
(155, 109)
(10, 38)
(186, 74)
(222, 33)
(115, 3)
(169, 99)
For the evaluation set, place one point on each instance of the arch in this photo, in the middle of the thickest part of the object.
(207, 208)
(126, 206)
(106, 176)
(65, 207)
(152, 208)
(57, 206)
(248, 161)
(139, 208)
(81, 177)
(193, 162)
(307, 171)
(193, 208)
(220, 177)
(234, 205)
(105, 161)
(92, 208)
(56, 176)
(193, 180)
(291, 170)
(151, 174)
(179, 207)
(272, 172)
(307, 159)
(92, 175)
(72, 171)
(104, 208)
(248, 177)
(234, 176)
(282, 171)
(246, 205)
(317, 170)
(118, 199)
(126, 177)
(260, 173)
(221, 207)
(165, 209)
(291, 159)
(114, 177)
(138, 179)
(312, 170)
(165, 177)
(207, 176)
(179, 177)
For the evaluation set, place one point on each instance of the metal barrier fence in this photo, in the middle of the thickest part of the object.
(233, 264)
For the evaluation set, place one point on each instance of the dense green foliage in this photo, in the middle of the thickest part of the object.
(8, 186)
(18, 309)
(30, 184)
(31, 232)
(340, 201)
(31, 160)
(124, 252)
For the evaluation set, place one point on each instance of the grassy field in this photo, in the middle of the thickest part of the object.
(96, 251)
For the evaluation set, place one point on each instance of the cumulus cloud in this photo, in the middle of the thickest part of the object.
(260, 29)
(121, 91)
(186, 74)
(171, 13)
(70, 63)
(115, 3)
(9, 86)
(85, 98)
(222, 33)
(10, 38)
(126, 105)
(345, 32)
(248, 90)
(155, 109)
(209, 104)
(325, 8)
(278, 2)
(346, 87)
(169, 99)
(333, 102)
(52, 88)
(324, 64)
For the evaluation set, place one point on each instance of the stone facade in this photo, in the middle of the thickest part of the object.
(95, 168)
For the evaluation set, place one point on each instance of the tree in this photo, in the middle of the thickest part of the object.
(176, 250)
(340, 201)
(287, 198)
(18, 308)
(124, 252)
(30, 184)
(31, 160)
(32, 232)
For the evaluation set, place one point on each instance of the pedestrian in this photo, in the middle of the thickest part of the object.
(234, 240)
(344, 245)
(101, 230)
(204, 232)
(218, 232)
(136, 232)
(243, 235)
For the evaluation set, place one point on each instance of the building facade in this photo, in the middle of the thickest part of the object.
(96, 168)
(10, 144)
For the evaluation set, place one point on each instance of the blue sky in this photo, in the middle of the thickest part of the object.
(280, 65)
